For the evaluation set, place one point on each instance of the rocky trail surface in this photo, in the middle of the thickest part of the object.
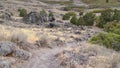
(45, 57)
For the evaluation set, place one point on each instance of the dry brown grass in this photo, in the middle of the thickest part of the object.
(17, 35)
(100, 57)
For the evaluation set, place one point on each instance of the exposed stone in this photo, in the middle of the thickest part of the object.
(4, 64)
(43, 17)
(51, 18)
(51, 25)
(22, 54)
(35, 17)
(1, 21)
(1, 6)
(32, 17)
(38, 43)
(6, 48)
(77, 32)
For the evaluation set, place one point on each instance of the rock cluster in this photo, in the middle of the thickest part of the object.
(86, 35)
(4, 64)
(10, 49)
(6, 48)
(22, 54)
(38, 18)
(52, 25)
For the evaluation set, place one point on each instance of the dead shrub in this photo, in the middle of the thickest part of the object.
(42, 42)
(18, 37)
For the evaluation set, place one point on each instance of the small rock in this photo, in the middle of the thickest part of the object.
(1, 21)
(77, 32)
(22, 54)
(4, 64)
(51, 18)
(51, 25)
(38, 43)
(6, 48)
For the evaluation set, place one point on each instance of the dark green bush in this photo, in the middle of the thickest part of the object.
(68, 15)
(71, 13)
(89, 19)
(23, 12)
(109, 40)
(106, 16)
(74, 20)
(110, 22)
(101, 23)
(116, 15)
(113, 27)
(81, 21)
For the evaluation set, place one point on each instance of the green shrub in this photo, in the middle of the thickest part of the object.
(74, 20)
(106, 16)
(51, 14)
(23, 12)
(89, 19)
(109, 40)
(116, 15)
(71, 13)
(81, 21)
(110, 22)
(68, 15)
(113, 27)
(100, 23)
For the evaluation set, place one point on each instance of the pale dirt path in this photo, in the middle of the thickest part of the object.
(45, 58)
